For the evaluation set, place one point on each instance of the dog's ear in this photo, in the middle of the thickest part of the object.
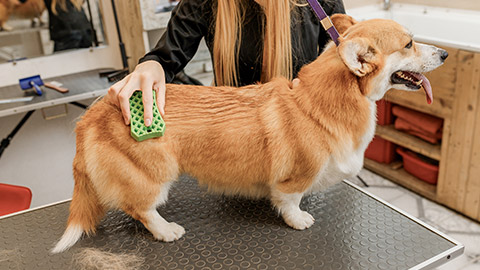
(359, 55)
(342, 22)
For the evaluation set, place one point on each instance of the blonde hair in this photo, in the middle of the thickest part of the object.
(277, 50)
(63, 5)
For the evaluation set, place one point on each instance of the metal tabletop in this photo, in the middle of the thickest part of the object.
(81, 86)
(353, 230)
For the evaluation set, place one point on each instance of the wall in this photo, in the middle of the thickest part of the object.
(460, 4)
(40, 156)
(358, 3)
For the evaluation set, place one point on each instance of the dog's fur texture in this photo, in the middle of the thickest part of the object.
(32, 9)
(6, 9)
(271, 140)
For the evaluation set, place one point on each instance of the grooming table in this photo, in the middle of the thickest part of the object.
(81, 86)
(353, 230)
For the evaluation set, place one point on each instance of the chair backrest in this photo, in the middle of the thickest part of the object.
(14, 198)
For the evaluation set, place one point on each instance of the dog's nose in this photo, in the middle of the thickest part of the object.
(443, 55)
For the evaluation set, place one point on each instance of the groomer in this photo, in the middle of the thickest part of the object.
(68, 25)
(250, 41)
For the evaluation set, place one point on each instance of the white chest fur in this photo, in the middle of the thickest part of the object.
(347, 160)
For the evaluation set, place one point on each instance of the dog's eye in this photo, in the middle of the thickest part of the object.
(409, 45)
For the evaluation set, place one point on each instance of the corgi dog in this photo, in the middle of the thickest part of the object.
(31, 9)
(276, 140)
(6, 9)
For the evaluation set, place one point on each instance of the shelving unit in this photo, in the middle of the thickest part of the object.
(399, 175)
(396, 173)
(413, 143)
(403, 178)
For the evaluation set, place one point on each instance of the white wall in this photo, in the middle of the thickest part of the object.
(358, 3)
(40, 155)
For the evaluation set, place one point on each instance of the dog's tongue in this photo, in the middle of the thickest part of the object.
(426, 86)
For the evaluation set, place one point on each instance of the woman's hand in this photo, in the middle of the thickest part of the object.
(146, 76)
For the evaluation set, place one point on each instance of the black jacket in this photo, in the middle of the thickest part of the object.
(194, 19)
(70, 28)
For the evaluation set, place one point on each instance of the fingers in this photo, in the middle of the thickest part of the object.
(146, 76)
(124, 98)
(147, 99)
(295, 82)
(160, 95)
(115, 89)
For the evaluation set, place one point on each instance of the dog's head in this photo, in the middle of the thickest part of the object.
(384, 55)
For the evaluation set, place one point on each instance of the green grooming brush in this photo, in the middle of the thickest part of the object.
(138, 130)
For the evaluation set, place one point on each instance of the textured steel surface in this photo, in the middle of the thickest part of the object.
(351, 231)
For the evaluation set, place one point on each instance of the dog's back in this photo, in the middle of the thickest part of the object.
(230, 129)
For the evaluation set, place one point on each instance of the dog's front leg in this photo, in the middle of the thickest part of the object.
(288, 204)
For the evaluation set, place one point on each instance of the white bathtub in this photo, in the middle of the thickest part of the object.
(442, 26)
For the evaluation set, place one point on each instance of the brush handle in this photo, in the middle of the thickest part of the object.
(37, 88)
(57, 88)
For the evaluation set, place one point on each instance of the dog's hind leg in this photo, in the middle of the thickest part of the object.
(288, 204)
(153, 221)
(85, 208)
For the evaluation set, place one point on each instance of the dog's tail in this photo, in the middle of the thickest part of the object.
(85, 210)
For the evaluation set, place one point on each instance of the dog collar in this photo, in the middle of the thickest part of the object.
(325, 20)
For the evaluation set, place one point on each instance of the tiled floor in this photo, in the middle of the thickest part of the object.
(458, 227)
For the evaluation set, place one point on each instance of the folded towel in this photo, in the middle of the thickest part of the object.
(424, 126)
(402, 124)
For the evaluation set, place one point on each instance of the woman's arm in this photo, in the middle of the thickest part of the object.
(187, 26)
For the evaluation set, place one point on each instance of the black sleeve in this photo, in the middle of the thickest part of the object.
(331, 7)
(187, 26)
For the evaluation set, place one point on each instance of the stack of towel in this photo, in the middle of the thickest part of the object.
(424, 126)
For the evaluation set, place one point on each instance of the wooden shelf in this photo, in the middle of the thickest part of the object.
(413, 143)
(401, 177)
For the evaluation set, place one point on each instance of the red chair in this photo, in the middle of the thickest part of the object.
(14, 198)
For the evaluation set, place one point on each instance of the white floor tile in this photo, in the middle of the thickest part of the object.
(457, 264)
(472, 267)
(407, 203)
(471, 243)
(386, 193)
(373, 179)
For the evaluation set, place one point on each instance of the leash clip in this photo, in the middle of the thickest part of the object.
(325, 21)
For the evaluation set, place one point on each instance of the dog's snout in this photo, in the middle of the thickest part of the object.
(443, 54)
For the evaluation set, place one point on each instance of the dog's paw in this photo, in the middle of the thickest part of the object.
(300, 221)
(171, 232)
(6, 27)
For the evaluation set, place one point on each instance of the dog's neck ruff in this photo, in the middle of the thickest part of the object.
(325, 20)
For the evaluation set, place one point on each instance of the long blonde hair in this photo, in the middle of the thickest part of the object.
(63, 5)
(277, 50)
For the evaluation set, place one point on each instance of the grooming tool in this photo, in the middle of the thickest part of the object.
(29, 82)
(56, 86)
(13, 100)
(138, 130)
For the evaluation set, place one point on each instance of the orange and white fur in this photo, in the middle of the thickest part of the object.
(274, 140)
(32, 9)
(6, 9)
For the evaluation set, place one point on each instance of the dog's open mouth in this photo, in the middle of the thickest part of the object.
(413, 80)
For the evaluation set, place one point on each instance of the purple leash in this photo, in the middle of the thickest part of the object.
(325, 20)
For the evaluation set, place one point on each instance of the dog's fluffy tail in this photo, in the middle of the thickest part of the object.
(85, 210)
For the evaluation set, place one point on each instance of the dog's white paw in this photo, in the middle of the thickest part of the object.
(300, 220)
(7, 27)
(171, 232)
